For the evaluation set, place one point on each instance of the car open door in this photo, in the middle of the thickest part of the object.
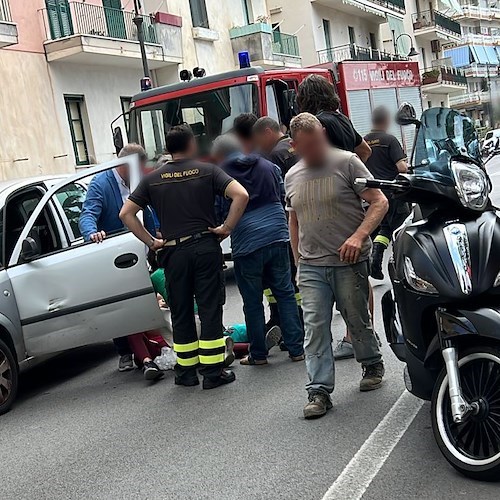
(71, 293)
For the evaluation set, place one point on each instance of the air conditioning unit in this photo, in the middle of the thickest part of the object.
(436, 46)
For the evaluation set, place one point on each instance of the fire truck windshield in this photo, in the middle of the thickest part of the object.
(209, 113)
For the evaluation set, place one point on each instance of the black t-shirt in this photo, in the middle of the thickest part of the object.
(182, 193)
(284, 155)
(386, 152)
(339, 130)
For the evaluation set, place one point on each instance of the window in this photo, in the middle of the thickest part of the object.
(373, 41)
(247, 11)
(126, 103)
(199, 13)
(208, 113)
(272, 103)
(429, 104)
(74, 105)
(71, 198)
(59, 16)
(328, 33)
(352, 35)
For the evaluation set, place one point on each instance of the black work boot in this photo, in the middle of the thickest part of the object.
(226, 377)
(376, 262)
(186, 377)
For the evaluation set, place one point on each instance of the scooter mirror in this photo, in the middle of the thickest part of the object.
(407, 115)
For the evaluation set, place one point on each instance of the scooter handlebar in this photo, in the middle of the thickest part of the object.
(381, 184)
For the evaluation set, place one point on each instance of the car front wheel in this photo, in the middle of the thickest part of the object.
(8, 378)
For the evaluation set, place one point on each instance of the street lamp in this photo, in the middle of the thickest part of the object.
(138, 21)
(412, 52)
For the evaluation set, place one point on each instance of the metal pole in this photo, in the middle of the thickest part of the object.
(138, 21)
(490, 105)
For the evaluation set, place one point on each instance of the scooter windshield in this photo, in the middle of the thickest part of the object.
(443, 134)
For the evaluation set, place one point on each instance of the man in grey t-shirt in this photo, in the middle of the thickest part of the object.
(330, 236)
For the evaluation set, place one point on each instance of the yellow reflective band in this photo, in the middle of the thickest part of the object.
(189, 361)
(211, 360)
(268, 292)
(298, 299)
(212, 344)
(193, 346)
(382, 239)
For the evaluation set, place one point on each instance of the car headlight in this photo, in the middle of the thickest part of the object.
(415, 281)
(471, 185)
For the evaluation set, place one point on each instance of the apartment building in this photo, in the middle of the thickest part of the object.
(478, 54)
(68, 69)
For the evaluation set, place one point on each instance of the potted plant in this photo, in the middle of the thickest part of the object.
(431, 76)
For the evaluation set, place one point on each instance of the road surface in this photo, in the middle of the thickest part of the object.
(82, 430)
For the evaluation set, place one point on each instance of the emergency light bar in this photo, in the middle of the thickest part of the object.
(244, 59)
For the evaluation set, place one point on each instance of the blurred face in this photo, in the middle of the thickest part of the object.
(312, 146)
(265, 140)
(123, 172)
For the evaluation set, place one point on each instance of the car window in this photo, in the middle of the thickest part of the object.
(71, 197)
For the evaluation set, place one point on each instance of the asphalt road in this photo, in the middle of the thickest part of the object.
(82, 430)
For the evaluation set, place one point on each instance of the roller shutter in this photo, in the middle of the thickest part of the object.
(359, 110)
(388, 99)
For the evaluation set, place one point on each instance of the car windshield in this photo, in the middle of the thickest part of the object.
(444, 133)
(209, 114)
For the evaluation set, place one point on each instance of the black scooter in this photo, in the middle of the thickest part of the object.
(442, 317)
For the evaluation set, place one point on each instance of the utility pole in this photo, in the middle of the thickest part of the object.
(138, 21)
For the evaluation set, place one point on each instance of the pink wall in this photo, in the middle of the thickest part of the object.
(32, 22)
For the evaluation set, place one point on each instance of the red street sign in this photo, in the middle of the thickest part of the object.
(379, 74)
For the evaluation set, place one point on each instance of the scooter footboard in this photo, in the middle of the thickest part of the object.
(483, 321)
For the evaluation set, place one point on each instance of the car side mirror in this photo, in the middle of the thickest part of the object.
(118, 139)
(407, 115)
(29, 249)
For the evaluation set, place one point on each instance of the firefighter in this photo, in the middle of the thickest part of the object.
(182, 193)
(386, 162)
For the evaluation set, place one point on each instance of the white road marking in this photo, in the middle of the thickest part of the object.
(366, 464)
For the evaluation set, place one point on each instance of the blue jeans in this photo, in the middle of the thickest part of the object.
(320, 288)
(270, 264)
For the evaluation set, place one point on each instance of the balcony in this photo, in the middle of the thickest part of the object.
(92, 34)
(352, 52)
(470, 100)
(470, 11)
(476, 70)
(373, 10)
(8, 29)
(443, 80)
(432, 25)
(267, 48)
(481, 39)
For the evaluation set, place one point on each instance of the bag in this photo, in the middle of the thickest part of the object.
(238, 333)
(167, 360)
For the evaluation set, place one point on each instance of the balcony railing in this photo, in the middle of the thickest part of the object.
(285, 44)
(481, 70)
(352, 52)
(478, 12)
(479, 97)
(5, 11)
(444, 75)
(434, 19)
(397, 5)
(95, 20)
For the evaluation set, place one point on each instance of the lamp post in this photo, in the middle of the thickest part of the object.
(138, 21)
(412, 52)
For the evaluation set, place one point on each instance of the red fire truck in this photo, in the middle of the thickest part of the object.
(210, 104)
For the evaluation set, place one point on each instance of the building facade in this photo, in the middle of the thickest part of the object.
(69, 68)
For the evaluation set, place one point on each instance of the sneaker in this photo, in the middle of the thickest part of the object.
(319, 404)
(226, 377)
(229, 359)
(126, 363)
(273, 337)
(248, 360)
(151, 371)
(298, 358)
(344, 350)
(372, 377)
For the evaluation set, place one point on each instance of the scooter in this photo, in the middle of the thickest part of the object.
(442, 317)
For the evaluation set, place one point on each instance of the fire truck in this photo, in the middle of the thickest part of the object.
(211, 103)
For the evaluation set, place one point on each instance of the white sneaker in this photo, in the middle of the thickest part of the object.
(273, 337)
(344, 350)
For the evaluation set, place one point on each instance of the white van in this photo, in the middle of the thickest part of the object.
(491, 141)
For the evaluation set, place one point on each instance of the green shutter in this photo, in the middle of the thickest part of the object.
(59, 16)
(114, 19)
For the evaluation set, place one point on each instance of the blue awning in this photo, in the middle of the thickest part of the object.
(492, 54)
(479, 54)
(460, 56)
(498, 51)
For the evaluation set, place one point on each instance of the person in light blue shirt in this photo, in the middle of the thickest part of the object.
(260, 248)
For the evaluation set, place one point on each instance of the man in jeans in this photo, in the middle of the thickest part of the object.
(260, 249)
(330, 234)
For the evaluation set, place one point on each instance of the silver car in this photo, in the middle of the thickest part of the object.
(58, 292)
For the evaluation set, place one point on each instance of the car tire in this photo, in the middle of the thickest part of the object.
(9, 378)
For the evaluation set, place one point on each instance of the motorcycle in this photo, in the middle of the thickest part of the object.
(442, 317)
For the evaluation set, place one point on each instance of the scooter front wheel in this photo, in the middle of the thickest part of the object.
(473, 446)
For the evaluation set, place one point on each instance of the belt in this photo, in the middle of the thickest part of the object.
(183, 239)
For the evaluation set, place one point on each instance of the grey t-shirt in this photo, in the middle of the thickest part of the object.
(328, 206)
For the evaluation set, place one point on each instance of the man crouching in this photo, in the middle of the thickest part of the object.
(330, 236)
